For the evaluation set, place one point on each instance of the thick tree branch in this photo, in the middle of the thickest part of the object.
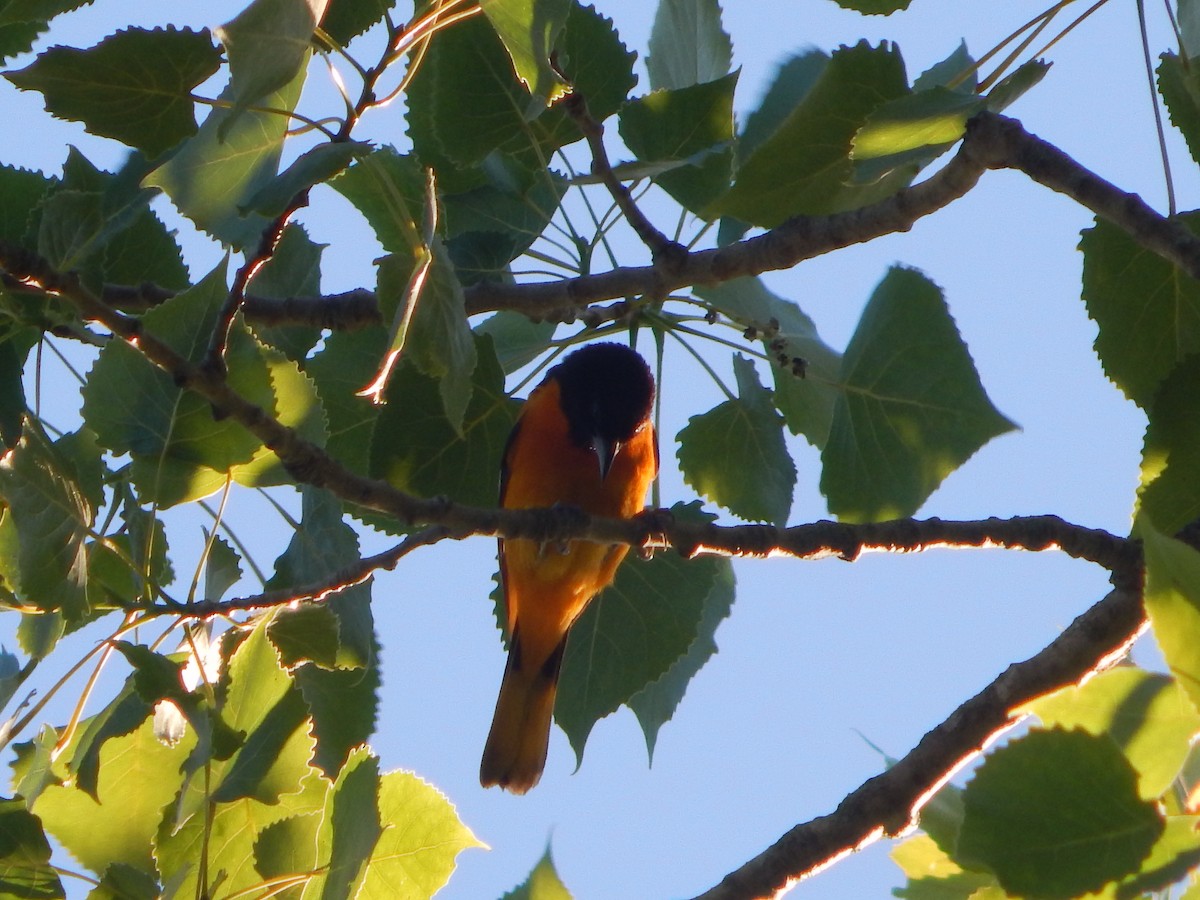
(888, 803)
(309, 464)
(992, 141)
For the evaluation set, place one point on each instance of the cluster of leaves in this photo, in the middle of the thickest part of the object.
(1099, 799)
(272, 787)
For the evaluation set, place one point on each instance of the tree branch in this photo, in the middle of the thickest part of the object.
(888, 803)
(992, 141)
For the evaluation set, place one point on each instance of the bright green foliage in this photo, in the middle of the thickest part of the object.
(1173, 604)
(543, 883)
(1148, 715)
(912, 409)
(530, 29)
(134, 86)
(233, 758)
(1057, 813)
(179, 451)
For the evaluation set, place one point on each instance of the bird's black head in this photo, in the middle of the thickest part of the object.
(607, 392)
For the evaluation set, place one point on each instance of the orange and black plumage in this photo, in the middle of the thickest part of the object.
(584, 439)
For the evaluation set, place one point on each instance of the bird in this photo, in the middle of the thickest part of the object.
(584, 438)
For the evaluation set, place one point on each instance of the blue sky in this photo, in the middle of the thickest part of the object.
(817, 657)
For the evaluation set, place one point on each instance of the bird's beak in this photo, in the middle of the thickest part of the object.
(606, 452)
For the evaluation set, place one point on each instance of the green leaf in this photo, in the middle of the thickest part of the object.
(315, 166)
(1170, 488)
(1011, 87)
(122, 882)
(416, 448)
(138, 778)
(234, 828)
(913, 408)
(491, 225)
(145, 252)
(597, 65)
(19, 37)
(123, 715)
(690, 125)
(804, 167)
(134, 86)
(37, 10)
(351, 828)
(933, 874)
(268, 46)
(20, 193)
(438, 340)
(543, 883)
(529, 30)
(1146, 713)
(416, 855)
(344, 704)
(1172, 597)
(874, 7)
(1179, 84)
(215, 173)
(53, 515)
(637, 631)
(1148, 312)
(293, 395)
(306, 633)
(179, 451)
(688, 44)
(294, 270)
(749, 430)
(805, 392)
(261, 701)
(389, 190)
(518, 339)
(911, 131)
(25, 870)
(10, 671)
(1056, 814)
(343, 367)
(957, 71)
(465, 98)
(15, 344)
(655, 704)
(88, 219)
(222, 569)
(793, 80)
(346, 19)
(1173, 857)
(322, 546)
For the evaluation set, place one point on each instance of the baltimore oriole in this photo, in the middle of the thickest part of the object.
(583, 439)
